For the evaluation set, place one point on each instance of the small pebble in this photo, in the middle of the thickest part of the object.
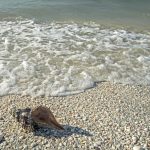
(136, 147)
(1, 137)
(34, 145)
(134, 139)
(84, 118)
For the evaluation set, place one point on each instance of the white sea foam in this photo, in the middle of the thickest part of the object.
(60, 59)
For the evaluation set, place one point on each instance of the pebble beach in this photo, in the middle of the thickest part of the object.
(106, 117)
(85, 63)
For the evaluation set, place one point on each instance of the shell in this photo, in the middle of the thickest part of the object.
(43, 115)
(31, 120)
(23, 116)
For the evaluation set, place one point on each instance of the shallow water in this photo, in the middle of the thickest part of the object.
(135, 13)
(59, 59)
(63, 47)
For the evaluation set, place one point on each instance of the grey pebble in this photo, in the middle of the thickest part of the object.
(34, 145)
(1, 137)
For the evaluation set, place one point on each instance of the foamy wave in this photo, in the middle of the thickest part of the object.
(60, 59)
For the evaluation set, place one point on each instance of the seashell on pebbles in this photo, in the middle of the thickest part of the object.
(40, 116)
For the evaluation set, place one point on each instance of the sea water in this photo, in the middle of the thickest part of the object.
(63, 47)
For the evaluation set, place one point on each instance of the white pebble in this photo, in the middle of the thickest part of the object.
(134, 139)
(136, 147)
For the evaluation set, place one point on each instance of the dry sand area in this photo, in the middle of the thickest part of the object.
(109, 116)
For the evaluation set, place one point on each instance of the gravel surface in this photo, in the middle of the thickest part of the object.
(109, 116)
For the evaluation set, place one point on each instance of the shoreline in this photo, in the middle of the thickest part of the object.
(144, 29)
(108, 116)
